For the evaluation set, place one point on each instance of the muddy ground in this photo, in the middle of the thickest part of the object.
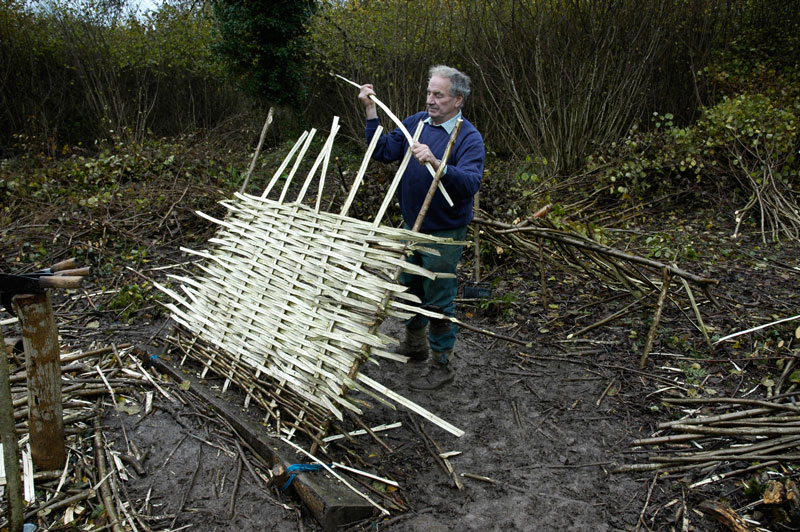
(547, 425)
(532, 425)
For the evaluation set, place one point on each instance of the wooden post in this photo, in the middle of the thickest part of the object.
(10, 446)
(40, 338)
(477, 240)
(651, 336)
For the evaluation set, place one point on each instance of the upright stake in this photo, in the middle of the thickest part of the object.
(477, 240)
(40, 338)
(437, 177)
(10, 445)
(651, 336)
(258, 151)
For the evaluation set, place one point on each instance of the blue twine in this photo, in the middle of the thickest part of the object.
(148, 363)
(298, 468)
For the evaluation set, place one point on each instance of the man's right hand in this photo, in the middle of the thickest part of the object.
(364, 95)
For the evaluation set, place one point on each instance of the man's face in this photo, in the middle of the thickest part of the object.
(441, 106)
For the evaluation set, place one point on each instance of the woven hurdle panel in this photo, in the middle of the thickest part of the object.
(288, 301)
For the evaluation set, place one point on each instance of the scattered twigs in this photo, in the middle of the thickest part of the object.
(479, 477)
(232, 505)
(640, 522)
(436, 451)
(492, 334)
(733, 400)
(571, 250)
(577, 241)
(608, 319)
(737, 472)
(605, 392)
(349, 435)
(697, 314)
(369, 431)
(144, 372)
(58, 502)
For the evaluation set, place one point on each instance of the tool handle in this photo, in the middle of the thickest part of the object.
(60, 281)
(64, 265)
(80, 272)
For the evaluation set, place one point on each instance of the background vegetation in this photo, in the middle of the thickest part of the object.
(639, 97)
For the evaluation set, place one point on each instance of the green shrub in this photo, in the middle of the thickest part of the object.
(133, 298)
(744, 147)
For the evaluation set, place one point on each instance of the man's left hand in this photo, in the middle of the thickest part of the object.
(423, 154)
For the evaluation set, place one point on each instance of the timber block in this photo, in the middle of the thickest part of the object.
(330, 502)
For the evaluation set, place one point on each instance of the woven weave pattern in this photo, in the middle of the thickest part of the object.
(289, 299)
(289, 302)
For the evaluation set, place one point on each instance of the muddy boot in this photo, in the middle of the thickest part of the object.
(439, 373)
(414, 345)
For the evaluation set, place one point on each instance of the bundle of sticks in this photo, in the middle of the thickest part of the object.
(752, 432)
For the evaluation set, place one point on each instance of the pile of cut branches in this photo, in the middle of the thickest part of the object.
(647, 280)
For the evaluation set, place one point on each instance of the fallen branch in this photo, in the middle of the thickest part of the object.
(754, 329)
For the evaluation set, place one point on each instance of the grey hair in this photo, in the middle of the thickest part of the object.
(459, 82)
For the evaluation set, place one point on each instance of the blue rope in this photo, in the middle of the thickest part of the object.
(299, 468)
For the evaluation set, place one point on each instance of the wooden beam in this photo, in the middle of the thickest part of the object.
(331, 504)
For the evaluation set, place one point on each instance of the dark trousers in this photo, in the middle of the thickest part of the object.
(437, 294)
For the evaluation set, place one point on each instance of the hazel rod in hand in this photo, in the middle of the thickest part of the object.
(399, 124)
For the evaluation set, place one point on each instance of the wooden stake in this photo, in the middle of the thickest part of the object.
(437, 177)
(258, 150)
(477, 240)
(40, 338)
(10, 446)
(656, 318)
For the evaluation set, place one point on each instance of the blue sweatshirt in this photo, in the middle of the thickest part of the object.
(462, 178)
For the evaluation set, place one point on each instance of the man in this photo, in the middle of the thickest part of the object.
(447, 92)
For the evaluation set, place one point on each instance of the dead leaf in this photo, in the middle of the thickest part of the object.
(185, 385)
(131, 409)
(774, 492)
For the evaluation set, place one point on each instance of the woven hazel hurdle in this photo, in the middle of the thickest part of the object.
(288, 299)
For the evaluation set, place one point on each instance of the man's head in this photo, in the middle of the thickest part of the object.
(448, 89)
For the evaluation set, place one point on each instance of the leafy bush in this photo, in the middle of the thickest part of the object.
(745, 146)
(263, 45)
(134, 298)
